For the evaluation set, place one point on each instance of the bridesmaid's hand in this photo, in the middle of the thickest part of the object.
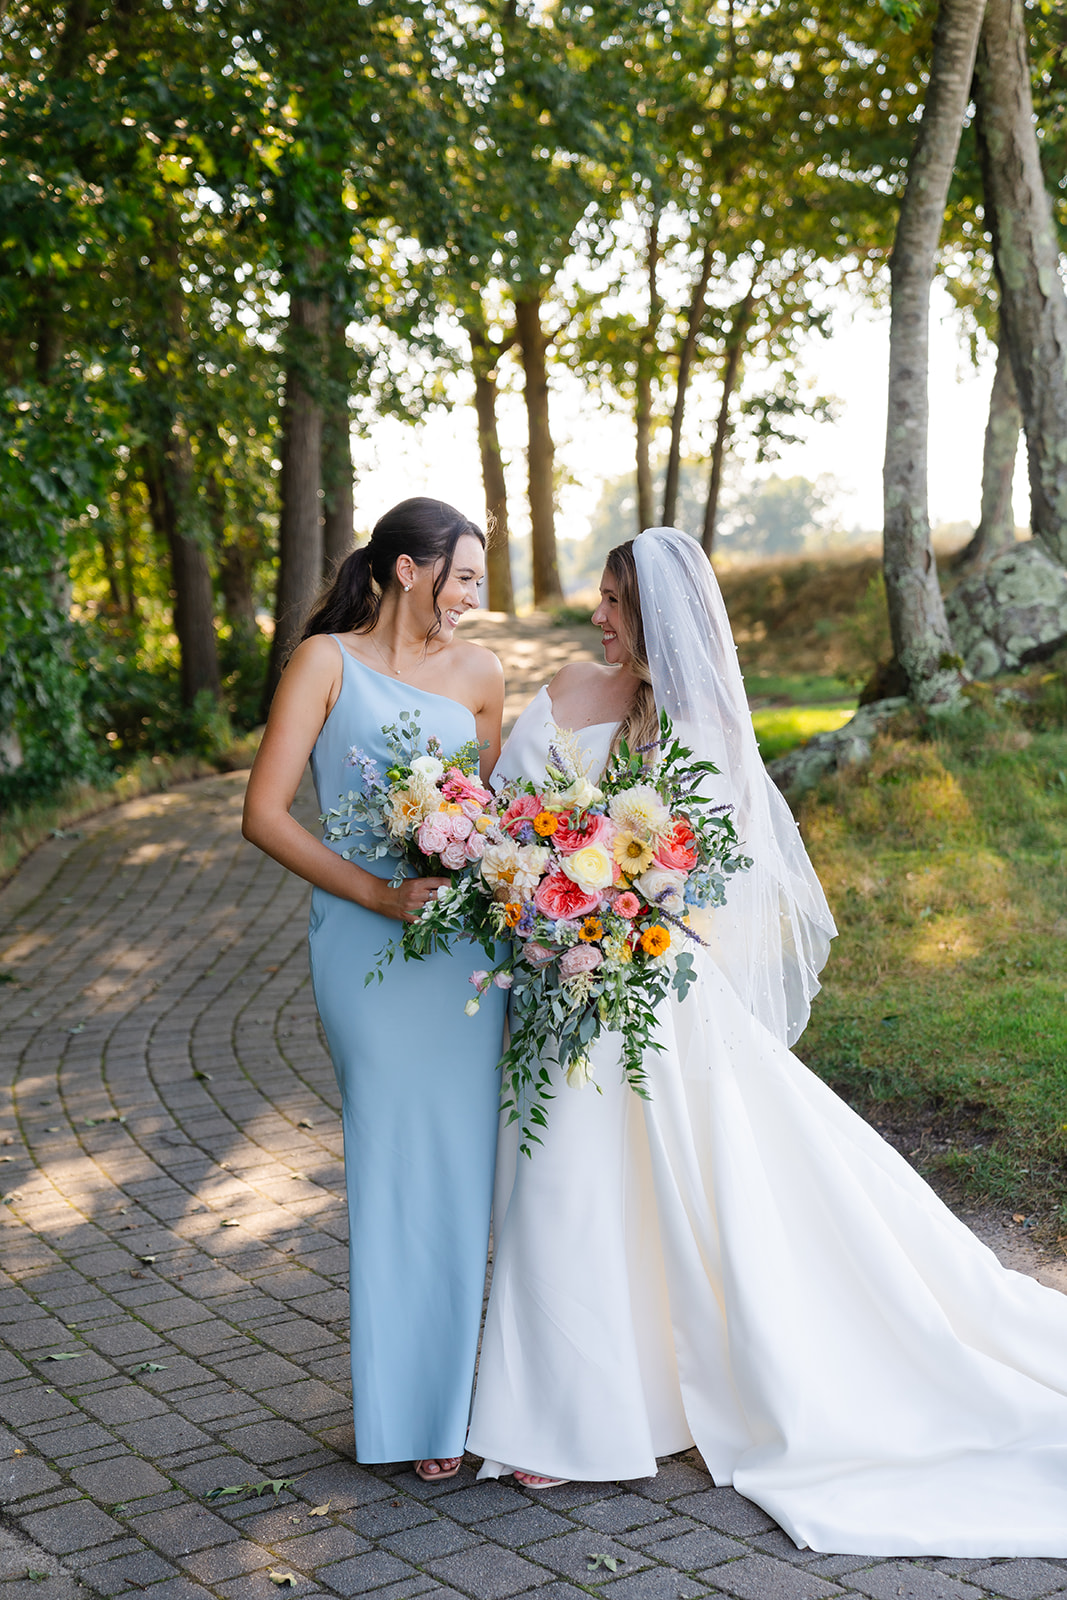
(407, 900)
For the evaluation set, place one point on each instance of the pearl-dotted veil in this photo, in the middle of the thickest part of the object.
(773, 935)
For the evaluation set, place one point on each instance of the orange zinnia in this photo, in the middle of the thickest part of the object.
(655, 940)
(591, 929)
(545, 824)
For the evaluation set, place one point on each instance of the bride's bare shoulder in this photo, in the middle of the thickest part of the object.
(579, 675)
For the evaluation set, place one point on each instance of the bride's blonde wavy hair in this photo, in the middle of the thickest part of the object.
(640, 727)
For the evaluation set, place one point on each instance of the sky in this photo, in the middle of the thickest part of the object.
(440, 456)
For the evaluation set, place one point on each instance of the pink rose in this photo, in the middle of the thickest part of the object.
(457, 786)
(433, 835)
(474, 847)
(460, 827)
(454, 855)
(579, 958)
(677, 849)
(504, 980)
(480, 979)
(626, 905)
(557, 896)
(597, 830)
(536, 954)
(522, 809)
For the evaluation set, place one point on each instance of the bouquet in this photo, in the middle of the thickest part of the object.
(593, 884)
(427, 809)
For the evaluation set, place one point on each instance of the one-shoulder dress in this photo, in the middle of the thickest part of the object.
(740, 1262)
(420, 1095)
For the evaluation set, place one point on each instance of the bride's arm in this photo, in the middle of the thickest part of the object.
(303, 700)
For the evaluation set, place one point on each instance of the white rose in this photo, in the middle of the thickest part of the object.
(580, 794)
(428, 767)
(580, 1071)
(591, 868)
(661, 887)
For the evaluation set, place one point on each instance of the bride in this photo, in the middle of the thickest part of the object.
(740, 1262)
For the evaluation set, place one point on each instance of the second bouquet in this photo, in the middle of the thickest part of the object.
(592, 884)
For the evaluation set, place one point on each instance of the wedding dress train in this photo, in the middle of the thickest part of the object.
(740, 1262)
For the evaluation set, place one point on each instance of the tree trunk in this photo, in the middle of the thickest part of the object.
(996, 529)
(1033, 305)
(646, 361)
(485, 353)
(300, 535)
(169, 484)
(916, 611)
(498, 555)
(547, 589)
(339, 511)
(235, 554)
(685, 364)
(731, 367)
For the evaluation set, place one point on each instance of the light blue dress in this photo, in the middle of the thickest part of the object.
(419, 1098)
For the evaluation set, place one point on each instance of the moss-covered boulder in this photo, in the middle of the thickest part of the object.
(1011, 611)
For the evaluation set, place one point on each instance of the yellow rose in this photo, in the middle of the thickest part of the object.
(591, 868)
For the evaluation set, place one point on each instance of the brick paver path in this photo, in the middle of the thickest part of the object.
(173, 1304)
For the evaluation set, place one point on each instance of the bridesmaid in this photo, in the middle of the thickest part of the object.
(418, 1090)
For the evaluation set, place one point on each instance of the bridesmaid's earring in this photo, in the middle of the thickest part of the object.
(407, 588)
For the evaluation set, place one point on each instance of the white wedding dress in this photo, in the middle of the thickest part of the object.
(742, 1263)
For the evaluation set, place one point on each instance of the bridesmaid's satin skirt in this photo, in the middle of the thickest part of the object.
(419, 1094)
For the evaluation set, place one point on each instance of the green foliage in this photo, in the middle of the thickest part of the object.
(54, 456)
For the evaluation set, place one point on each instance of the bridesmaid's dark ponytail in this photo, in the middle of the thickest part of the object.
(426, 530)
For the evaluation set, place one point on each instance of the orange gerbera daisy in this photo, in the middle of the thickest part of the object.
(545, 824)
(655, 940)
(591, 929)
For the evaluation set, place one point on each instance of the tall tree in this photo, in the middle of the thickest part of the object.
(996, 525)
(919, 628)
(1033, 305)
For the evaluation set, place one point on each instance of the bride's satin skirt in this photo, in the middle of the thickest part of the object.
(742, 1262)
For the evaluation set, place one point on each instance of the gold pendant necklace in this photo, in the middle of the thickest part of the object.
(382, 656)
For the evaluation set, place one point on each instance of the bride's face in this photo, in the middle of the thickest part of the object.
(606, 618)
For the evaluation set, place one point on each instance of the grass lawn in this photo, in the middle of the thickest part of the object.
(780, 728)
(944, 1012)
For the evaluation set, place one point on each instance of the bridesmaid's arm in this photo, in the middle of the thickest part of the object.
(303, 700)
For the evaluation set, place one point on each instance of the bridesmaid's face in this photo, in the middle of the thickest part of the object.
(459, 593)
(606, 618)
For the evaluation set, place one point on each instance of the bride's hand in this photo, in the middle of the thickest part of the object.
(407, 901)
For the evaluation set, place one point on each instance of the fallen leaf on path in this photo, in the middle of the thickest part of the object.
(319, 1511)
(65, 1355)
(283, 1579)
(611, 1563)
(305, 1122)
(230, 1222)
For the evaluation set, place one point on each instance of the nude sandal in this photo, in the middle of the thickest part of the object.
(440, 1474)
